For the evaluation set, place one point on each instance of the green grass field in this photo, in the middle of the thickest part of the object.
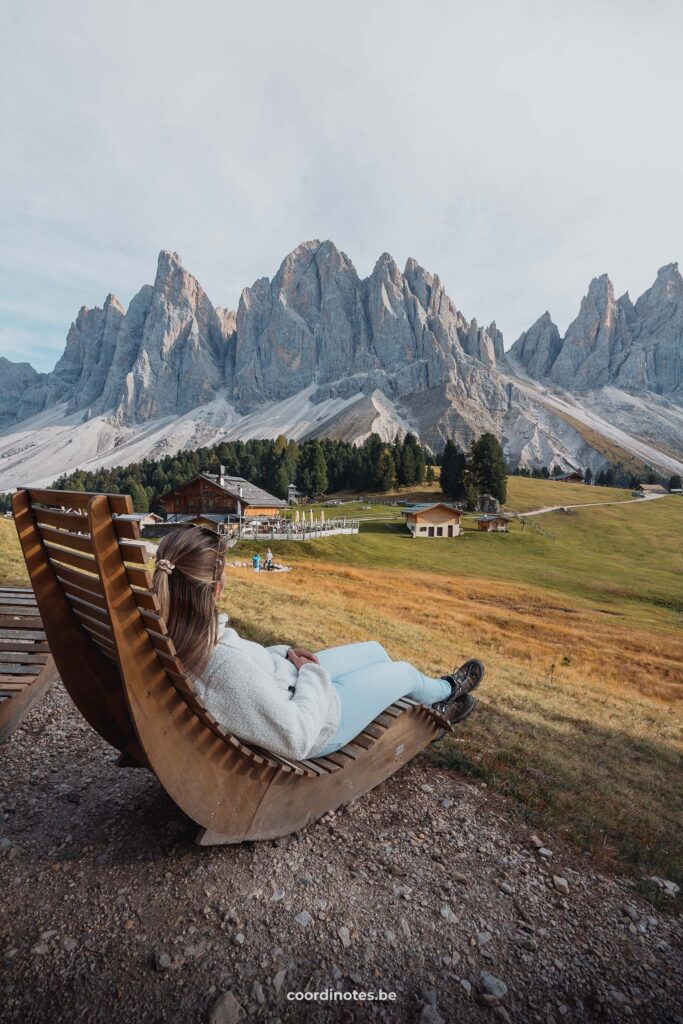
(525, 493)
(627, 558)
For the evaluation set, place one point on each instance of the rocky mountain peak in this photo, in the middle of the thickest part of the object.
(600, 295)
(111, 302)
(666, 292)
(633, 346)
(386, 269)
(537, 349)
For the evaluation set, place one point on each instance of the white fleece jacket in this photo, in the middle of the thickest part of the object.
(259, 695)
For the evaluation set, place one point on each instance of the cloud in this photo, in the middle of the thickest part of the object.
(515, 149)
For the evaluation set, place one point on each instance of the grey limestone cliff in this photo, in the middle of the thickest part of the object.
(612, 341)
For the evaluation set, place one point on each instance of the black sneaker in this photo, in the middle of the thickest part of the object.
(463, 680)
(457, 711)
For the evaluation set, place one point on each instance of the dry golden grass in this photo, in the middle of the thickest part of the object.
(12, 565)
(576, 717)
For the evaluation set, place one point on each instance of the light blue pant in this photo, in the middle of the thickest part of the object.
(368, 681)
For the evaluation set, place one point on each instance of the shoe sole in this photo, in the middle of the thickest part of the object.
(473, 685)
(469, 704)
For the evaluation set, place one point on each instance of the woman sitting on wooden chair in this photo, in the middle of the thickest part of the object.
(288, 700)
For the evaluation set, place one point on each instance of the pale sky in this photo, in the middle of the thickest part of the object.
(517, 149)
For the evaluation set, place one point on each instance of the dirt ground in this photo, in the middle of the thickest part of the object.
(430, 889)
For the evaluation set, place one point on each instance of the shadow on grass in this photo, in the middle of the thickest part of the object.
(610, 791)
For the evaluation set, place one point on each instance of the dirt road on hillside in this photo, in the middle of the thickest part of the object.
(593, 504)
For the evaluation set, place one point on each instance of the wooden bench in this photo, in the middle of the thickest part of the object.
(87, 564)
(27, 670)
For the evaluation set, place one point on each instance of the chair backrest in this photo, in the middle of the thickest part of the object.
(87, 564)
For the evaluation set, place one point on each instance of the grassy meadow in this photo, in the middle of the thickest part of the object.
(579, 627)
(524, 494)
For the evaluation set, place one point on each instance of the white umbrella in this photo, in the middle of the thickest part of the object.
(311, 517)
(296, 516)
(322, 517)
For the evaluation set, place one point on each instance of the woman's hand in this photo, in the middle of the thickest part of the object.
(300, 655)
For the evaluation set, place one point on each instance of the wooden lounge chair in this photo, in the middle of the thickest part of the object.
(27, 670)
(111, 647)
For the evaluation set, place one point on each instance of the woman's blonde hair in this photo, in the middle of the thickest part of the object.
(189, 561)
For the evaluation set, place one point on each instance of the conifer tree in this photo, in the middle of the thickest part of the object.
(487, 467)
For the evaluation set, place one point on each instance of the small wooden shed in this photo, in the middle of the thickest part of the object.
(437, 520)
(497, 523)
(652, 489)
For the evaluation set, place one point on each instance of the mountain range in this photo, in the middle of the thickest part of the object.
(316, 350)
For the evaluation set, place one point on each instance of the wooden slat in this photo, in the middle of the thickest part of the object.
(12, 643)
(66, 539)
(23, 657)
(118, 503)
(138, 578)
(75, 593)
(25, 600)
(75, 522)
(14, 669)
(126, 529)
(276, 761)
(21, 634)
(143, 598)
(162, 643)
(338, 759)
(324, 762)
(20, 621)
(19, 609)
(105, 648)
(175, 670)
(99, 628)
(84, 606)
(146, 599)
(317, 769)
(134, 551)
(154, 621)
(83, 580)
(72, 558)
(363, 741)
(9, 684)
(349, 752)
(373, 730)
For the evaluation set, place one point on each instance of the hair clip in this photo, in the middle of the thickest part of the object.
(165, 565)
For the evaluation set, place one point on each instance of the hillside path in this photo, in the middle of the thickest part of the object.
(430, 887)
(593, 504)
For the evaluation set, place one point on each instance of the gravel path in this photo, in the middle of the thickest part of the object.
(430, 888)
(593, 504)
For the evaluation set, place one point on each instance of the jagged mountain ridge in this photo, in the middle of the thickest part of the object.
(315, 321)
(387, 352)
(612, 341)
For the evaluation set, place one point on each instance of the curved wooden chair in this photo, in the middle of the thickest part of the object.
(111, 647)
(27, 670)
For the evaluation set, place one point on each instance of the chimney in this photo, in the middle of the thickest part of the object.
(240, 491)
(221, 475)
